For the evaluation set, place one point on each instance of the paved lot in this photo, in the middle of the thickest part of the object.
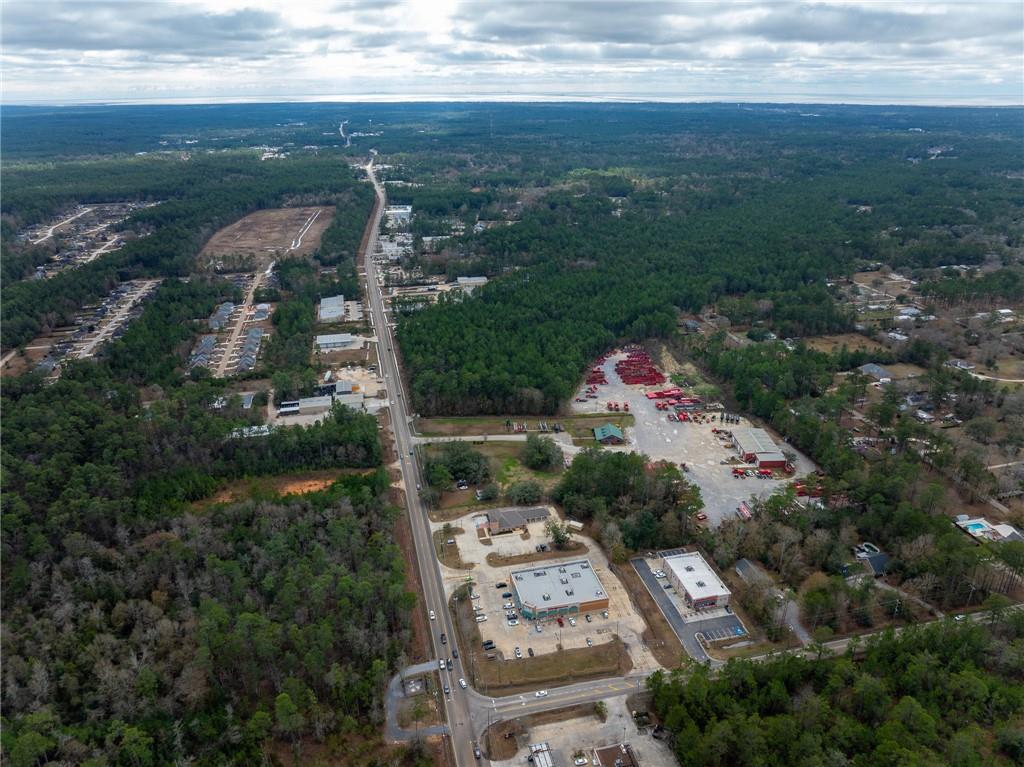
(622, 619)
(587, 733)
(687, 625)
(693, 444)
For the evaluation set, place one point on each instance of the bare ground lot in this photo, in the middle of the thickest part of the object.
(266, 234)
(298, 483)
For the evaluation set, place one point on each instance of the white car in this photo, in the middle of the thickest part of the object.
(462, 683)
(474, 596)
(541, 694)
(513, 621)
(590, 642)
(519, 653)
(539, 629)
(580, 761)
(509, 605)
(432, 616)
(572, 621)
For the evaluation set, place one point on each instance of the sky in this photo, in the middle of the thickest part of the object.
(278, 50)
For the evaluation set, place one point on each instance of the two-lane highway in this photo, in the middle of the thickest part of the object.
(456, 704)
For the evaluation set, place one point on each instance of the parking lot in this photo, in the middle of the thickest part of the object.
(714, 625)
(694, 444)
(622, 621)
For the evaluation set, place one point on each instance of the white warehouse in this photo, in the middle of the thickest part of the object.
(697, 582)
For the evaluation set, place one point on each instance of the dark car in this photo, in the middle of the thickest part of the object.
(561, 622)
(455, 652)
(501, 585)
(448, 663)
(507, 595)
(444, 639)
(529, 651)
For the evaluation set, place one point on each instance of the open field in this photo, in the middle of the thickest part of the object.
(852, 341)
(496, 424)
(267, 234)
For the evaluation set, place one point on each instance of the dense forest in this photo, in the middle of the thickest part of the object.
(941, 695)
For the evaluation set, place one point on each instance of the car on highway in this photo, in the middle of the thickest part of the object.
(476, 752)
(541, 694)
(448, 664)
(441, 664)
(444, 638)
(519, 653)
(447, 691)
(462, 683)
(432, 616)
(455, 652)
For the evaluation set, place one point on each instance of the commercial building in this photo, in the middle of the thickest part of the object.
(336, 341)
(558, 589)
(540, 755)
(506, 520)
(696, 581)
(468, 284)
(609, 434)
(621, 755)
(398, 215)
(756, 446)
(331, 309)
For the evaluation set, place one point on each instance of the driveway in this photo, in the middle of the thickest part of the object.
(687, 633)
(394, 733)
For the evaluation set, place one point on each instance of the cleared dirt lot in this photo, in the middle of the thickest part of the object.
(690, 443)
(267, 234)
(578, 729)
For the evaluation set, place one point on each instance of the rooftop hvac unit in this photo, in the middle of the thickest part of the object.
(701, 584)
(569, 592)
(585, 565)
(546, 597)
(564, 580)
(689, 568)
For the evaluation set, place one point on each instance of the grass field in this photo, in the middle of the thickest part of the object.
(448, 553)
(481, 425)
(577, 548)
(852, 341)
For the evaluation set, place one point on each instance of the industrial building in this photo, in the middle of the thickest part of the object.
(398, 215)
(609, 434)
(558, 589)
(756, 446)
(331, 309)
(695, 580)
(336, 341)
(501, 521)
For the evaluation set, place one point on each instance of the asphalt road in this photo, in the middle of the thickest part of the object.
(687, 633)
(456, 705)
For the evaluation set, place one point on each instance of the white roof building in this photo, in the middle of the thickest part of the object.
(469, 284)
(337, 341)
(695, 579)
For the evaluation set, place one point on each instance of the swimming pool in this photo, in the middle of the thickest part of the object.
(976, 527)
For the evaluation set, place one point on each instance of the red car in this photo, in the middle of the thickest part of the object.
(560, 623)
(702, 516)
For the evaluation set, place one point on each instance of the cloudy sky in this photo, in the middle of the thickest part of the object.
(217, 50)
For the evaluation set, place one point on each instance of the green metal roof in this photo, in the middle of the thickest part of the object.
(602, 433)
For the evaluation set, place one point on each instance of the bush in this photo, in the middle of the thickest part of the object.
(525, 492)
(541, 453)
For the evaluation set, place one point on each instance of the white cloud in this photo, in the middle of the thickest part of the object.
(868, 51)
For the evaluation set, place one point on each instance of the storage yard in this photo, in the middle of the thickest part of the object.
(673, 424)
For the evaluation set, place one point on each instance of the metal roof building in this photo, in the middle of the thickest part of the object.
(757, 446)
(875, 371)
(609, 434)
(335, 341)
(557, 589)
(696, 580)
(332, 309)
(508, 519)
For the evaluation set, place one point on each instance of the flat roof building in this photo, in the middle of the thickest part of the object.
(695, 579)
(756, 446)
(332, 309)
(469, 284)
(557, 589)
